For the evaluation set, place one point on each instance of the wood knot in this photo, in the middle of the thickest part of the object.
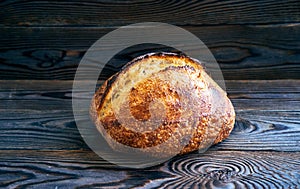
(46, 58)
(243, 126)
(225, 175)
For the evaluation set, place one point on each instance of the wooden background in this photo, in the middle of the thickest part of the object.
(257, 44)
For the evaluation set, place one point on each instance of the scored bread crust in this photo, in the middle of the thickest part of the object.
(215, 114)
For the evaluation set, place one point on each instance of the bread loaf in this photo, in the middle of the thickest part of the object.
(161, 104)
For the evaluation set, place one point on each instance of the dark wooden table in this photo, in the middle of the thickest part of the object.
(256, 43)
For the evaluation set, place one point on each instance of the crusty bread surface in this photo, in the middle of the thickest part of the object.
(162, 103)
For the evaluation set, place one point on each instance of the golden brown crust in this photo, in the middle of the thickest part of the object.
(215, 113)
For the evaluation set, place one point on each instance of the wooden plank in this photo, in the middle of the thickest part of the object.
(116, 13)
(38, 115)
(213, 169)
(40, 146)
(243, 52)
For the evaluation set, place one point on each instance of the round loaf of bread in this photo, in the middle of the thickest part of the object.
(162, 104)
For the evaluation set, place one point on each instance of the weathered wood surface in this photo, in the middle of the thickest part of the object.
(40, 145)
(38, 115)
(243, 51)
(214, 169)
(117, 13)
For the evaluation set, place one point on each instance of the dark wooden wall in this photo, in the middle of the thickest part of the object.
(257, 44)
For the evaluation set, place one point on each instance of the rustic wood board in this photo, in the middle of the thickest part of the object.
(243, 51)
(214, 169)
(40, 145)
(118, 13)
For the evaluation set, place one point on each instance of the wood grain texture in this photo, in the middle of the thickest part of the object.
(243, 52)
(40, 146)
(117, 13)
(214, 169)
(255, 42)
(38, 115)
